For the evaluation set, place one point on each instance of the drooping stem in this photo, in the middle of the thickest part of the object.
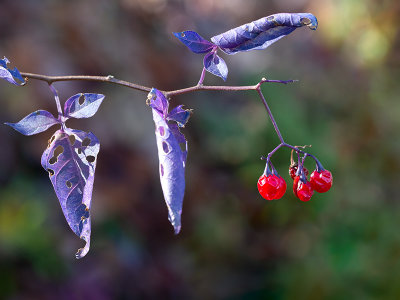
(270, 115)
(57, 99)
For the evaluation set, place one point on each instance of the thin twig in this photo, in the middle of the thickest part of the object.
(111, 79)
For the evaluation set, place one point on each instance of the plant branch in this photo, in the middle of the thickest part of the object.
(111, 79)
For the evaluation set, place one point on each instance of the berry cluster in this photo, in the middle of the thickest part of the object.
(271, 186)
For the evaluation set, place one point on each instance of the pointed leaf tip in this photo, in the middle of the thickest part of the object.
(179, 115)
(262, 33)
(172, 159)
(10, 74)
(70, 159)
(215, 65)
(35, 122)
(194, 41)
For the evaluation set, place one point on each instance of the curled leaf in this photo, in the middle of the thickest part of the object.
(179, 115)
(215, 65)
(262, 33)
(70, 159)
(82, 105)
(172, 159)
(8, 74)
(35, 122)
(194, 41)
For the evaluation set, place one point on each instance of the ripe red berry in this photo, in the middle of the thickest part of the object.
(304, 191)
(271, 187)
(282, 188)
(295, 184)
(321, 181)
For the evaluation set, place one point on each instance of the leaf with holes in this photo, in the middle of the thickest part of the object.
(35, 122)
(82, 105)
(70, 159)
(215, 65)
(8, 74)
(262, 33)
(194, 41)
(172, 158)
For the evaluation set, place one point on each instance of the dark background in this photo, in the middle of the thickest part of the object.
(234, 245)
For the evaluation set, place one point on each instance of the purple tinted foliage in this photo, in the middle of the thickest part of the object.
(159, 103)
(70, 159)
(194, 41)
(172, 159)
(179, 115)
(215, 65)
(262, 33)
(35, 122)
(82, 105)
(8, 74)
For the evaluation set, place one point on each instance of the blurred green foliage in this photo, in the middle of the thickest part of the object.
(233, 245)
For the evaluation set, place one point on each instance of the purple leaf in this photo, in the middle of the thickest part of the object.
(70, 159)
(263, 32)
(34, 123)
(215, 65)
(171, 158)
(82, 105)
(158, 102)
(8, 74)
(179, 115)
(194, 41)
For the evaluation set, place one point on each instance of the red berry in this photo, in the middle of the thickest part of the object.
(293, 170)
(282, 188)
(304, 191)
(295, 184)
(271, 187)
(321, 182)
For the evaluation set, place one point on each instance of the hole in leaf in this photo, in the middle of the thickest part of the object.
(79, 150)
(50, 141)
(86, 142)
(81, 99)
(51, 172)
(165, 147)
(58, 151)
(68, 184)
(90, 158)
(162, 130)
(305, 21)
(162, 170)
(72, 139)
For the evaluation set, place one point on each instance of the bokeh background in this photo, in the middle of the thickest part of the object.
(234, 245)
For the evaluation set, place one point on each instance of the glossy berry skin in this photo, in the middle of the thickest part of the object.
(304, 191)
(282, 188)
(296, 180)
(321, 182)
(293, 170)
(271, 187)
